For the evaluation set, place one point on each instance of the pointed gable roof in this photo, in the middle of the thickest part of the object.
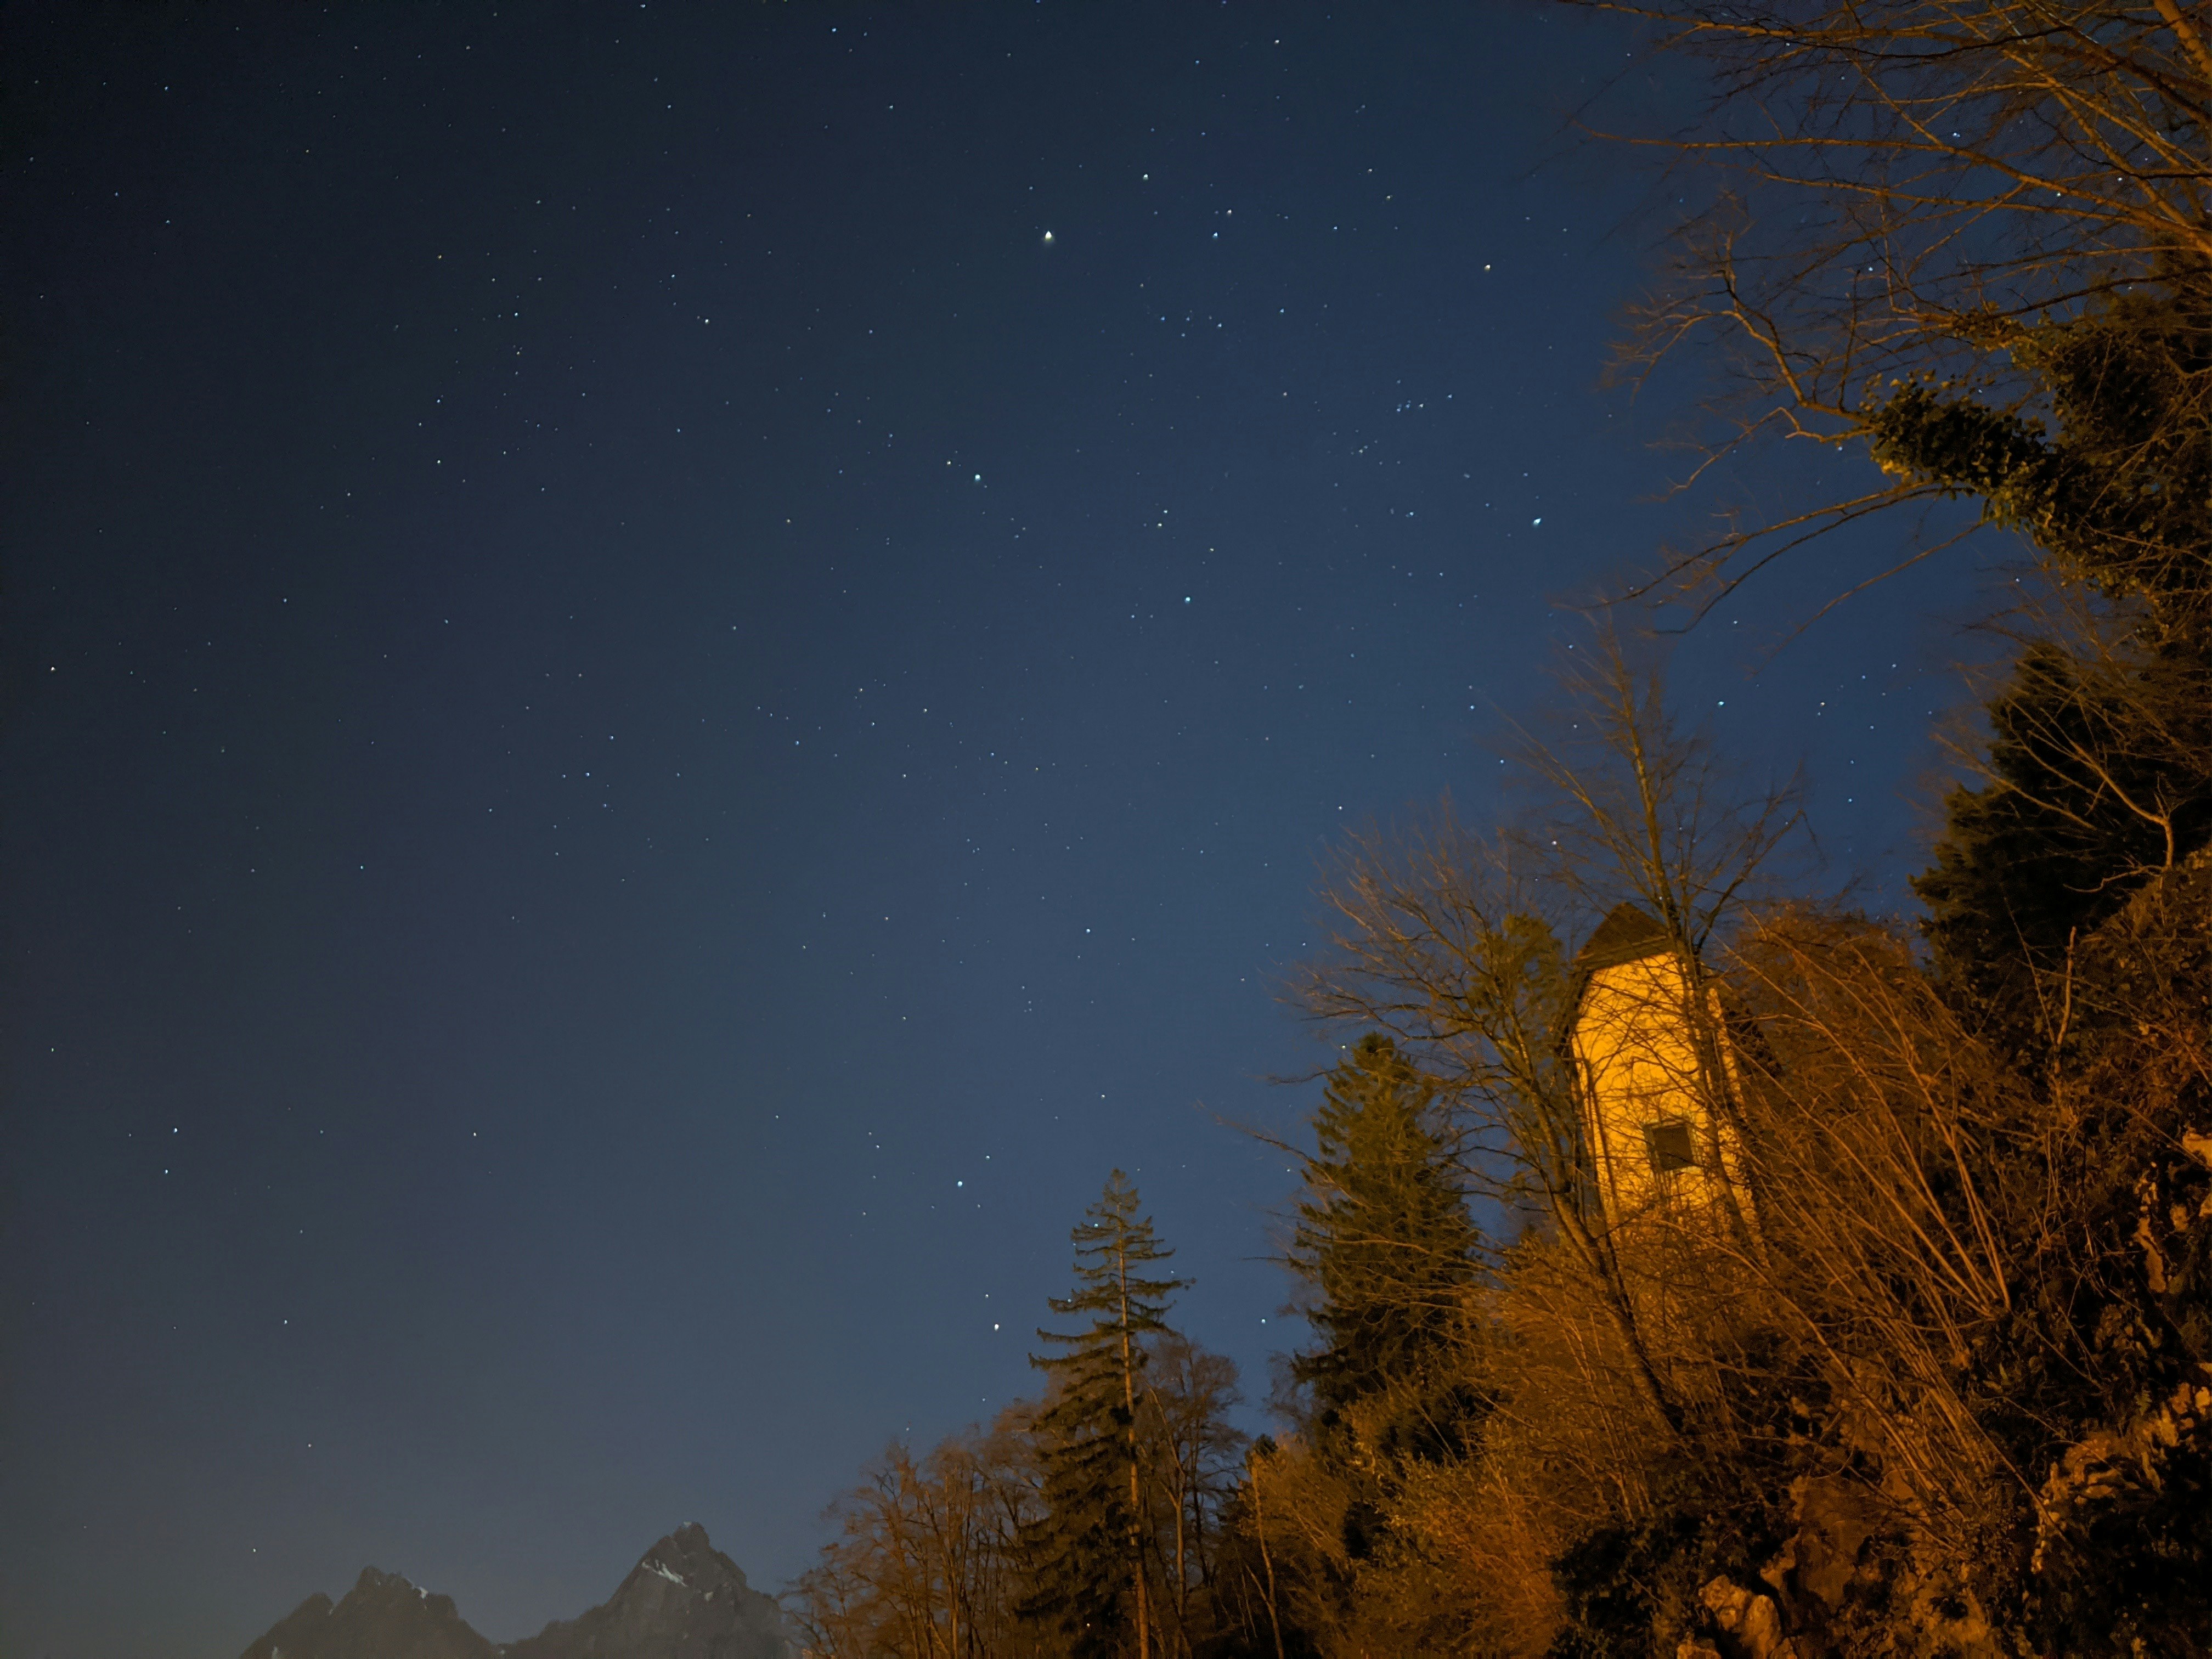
(1627, 934)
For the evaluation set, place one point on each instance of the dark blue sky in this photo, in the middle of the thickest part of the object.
(642, 731)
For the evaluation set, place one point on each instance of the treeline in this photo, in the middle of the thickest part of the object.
(1105, 1517)
(1696, 1267)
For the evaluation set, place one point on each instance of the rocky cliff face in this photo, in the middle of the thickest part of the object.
(684, 1600)
(381, 1617)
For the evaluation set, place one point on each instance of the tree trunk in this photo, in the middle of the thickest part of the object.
(1136, 1490)
(1260, 1526)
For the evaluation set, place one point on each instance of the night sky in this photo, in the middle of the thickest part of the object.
(670, 671)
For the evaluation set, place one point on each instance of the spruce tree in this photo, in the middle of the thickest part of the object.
(1383, 1236)
(2056, 838)
(1091, 1583)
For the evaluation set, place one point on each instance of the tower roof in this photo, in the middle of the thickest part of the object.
(1627, 934)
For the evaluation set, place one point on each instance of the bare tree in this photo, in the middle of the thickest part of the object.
(1451, 943)
(1905, 1196)
(1193, 1456)
(2116, 722)
(928, 1559)
(1895, 192)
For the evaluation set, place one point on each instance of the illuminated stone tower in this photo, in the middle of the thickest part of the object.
(1656, 1151)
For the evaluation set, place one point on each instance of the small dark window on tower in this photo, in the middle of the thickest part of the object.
(1670, 1147)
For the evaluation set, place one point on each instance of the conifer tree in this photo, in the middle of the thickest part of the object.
(1383, 1237)
(2093, 781)
(2099, 768)
(1091, 1579)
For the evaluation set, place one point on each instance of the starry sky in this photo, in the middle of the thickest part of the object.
(670, 670)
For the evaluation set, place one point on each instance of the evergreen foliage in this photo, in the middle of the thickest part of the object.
(2082, 783)
(1029, 1539)
(2100, 764)
(1093, 1584)
(1383, 1239)
(2115, 482)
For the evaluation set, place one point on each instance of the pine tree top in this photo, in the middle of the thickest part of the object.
(1114, 1247)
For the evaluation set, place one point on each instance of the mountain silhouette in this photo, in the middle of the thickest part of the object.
(683, 1599)
(381, 1617)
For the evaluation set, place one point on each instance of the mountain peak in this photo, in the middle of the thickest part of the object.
(382, 1614)
(373, 1583)
(688, 1556)
(683, 1599)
